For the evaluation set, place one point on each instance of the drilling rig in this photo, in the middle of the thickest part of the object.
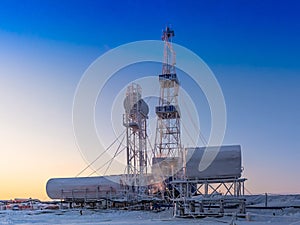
(167, 160)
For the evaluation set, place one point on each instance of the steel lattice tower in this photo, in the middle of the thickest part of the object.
(135, 121)
(167, 139)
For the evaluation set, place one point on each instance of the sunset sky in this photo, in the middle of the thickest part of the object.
(253, 48)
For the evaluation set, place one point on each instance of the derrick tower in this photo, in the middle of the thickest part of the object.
(135, 121)
(167, 140)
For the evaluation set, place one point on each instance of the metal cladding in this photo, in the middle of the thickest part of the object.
(227, 163)
(83, 187)
(133, 102)
(140, 106)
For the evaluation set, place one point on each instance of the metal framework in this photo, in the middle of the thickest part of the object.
(171, 176)
(210, 207)
(208, 197)
(167, 139)
(134, 120)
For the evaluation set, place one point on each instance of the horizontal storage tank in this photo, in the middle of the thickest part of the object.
(227, 163)
(83, 187)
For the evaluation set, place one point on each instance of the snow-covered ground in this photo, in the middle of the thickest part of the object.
(113, 217)
(285, 216)
(274, 200)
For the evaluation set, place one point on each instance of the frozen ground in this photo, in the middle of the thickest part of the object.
(105, 217)
(285, 216)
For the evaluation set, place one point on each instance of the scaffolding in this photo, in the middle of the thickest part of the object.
(208, 197)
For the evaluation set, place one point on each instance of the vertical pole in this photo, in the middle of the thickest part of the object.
(206, 189)
(72, 198)
(145, 141)
(127, 151)
(134, 159)
(98, 197)
(61, 199)
(222, 206)
(235, 188)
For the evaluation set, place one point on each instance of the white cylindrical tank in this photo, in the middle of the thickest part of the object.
(227, 163)
(83, 187)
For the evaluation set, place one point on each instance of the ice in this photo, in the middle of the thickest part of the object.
(114, 217)
(286, 215)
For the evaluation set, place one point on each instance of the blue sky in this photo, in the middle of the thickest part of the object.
(265, 31)
(253, 48)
